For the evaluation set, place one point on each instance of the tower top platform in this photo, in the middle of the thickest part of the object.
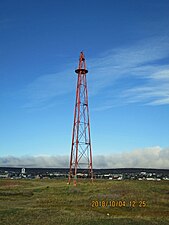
(82, 65)
(81, 71)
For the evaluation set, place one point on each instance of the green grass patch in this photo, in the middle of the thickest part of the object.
(51, 202)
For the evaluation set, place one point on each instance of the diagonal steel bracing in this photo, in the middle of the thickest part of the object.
(81, 151)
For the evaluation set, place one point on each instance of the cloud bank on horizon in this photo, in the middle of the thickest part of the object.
(152, 157)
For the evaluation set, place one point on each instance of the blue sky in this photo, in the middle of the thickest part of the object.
(126, 44)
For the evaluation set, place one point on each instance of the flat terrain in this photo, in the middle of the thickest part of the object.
(51, 202)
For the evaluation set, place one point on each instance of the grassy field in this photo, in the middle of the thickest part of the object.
(51, 202)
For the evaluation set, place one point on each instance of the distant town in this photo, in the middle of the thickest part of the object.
(111, 174)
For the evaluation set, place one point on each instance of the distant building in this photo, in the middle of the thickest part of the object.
(143, 173)
(4, 175)
(23, 171)
(150, 178)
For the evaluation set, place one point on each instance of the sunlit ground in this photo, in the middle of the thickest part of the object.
(51, 202)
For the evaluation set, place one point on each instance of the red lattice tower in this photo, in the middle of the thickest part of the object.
(81, 151)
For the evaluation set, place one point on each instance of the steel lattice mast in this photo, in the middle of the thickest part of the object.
(81, 151)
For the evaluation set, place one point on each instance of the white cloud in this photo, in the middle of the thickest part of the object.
(143, 65)
(44, 89)
(152, 157)
(154, 92)
(144, 68)
(34, 161)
